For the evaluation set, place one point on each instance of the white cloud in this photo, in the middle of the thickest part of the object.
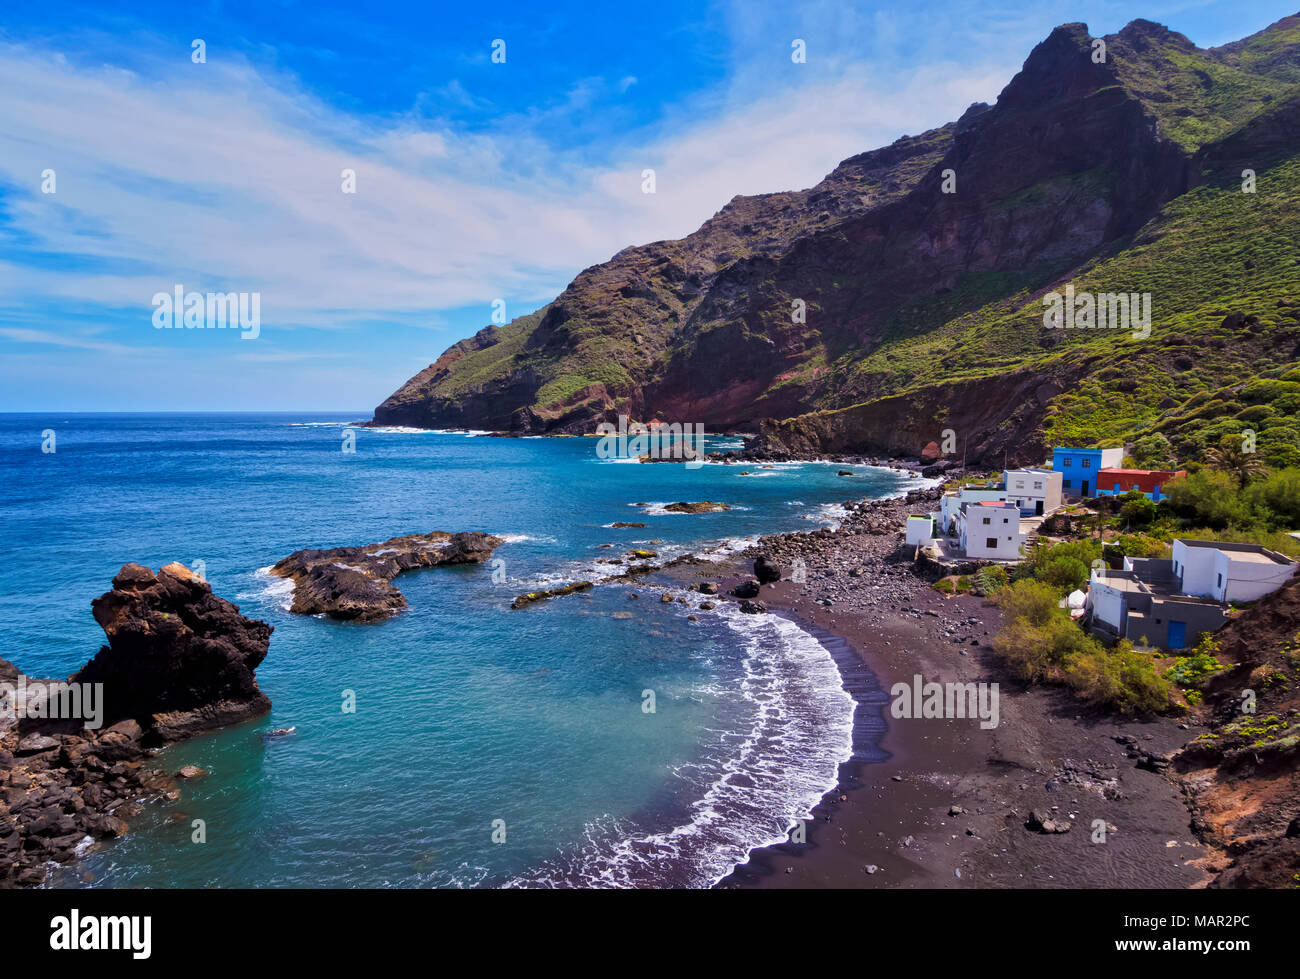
(218, 176)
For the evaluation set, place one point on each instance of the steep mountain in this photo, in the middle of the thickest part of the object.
(922, 268)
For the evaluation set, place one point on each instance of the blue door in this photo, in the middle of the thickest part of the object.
(1177, 634)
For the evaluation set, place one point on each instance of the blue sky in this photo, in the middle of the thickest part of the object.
(475, 181)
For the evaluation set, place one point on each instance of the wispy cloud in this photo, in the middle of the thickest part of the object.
(220, 176)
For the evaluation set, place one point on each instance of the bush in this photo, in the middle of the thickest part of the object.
(1194, 670)
(1038, 636)
(1153, 451)
(992, 579)
(1137, 509)
(1277, 498)
(1209, 497)
(1065, 574)
(1121, 679)
(1039, 642)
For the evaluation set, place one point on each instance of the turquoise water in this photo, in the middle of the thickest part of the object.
(470, 716)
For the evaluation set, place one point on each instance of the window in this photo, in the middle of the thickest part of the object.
(1065, 484)
(992, 542)
(1068, 461)
(987, 520)
(1220, 581)
(1038, 484)
(1085, 463)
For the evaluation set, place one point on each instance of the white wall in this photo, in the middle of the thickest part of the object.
(1107, 602)
(1247, 581)
(919, 530)
(951, 503)
(1203, 568)
(1004, 525)
(1195, 566)
(1020, 486)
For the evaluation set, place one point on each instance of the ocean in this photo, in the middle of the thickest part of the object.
(489, 747)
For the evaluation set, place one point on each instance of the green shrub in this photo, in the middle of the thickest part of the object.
(1038, 642)
(1137, 509)
(1122, 679)
(1209, 497)
(992, 579)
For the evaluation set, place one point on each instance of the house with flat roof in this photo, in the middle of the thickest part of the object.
(1034, 491)
(1079, 467)
(1229, 572)
(990, 530)
(1170, 602)
(1037, 492)
(1149, 482)
(920, 530)
(1129, 604)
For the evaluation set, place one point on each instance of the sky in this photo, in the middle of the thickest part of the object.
(130, 165)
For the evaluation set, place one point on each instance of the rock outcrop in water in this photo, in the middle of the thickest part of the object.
(355, 583)
(179, 660)
(704, 506)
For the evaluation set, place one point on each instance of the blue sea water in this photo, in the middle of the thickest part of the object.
(489, 746)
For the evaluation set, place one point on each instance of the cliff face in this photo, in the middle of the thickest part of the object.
(905, 259)
(1242, 777)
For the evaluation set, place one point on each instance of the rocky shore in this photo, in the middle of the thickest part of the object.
(179, 661)
(355, 583)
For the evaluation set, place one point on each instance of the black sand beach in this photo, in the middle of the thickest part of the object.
(930, 803)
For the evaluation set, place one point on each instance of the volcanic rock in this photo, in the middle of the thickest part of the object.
(179, 660)
(355, 583)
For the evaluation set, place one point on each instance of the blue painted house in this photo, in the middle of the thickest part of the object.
(1079, 468)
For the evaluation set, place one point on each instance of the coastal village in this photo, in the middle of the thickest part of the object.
(1122, 625)
(1165, 603)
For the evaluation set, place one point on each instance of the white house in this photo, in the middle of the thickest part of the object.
(1229, 572)
(951, 504)
(990, 529)
(1036, 491)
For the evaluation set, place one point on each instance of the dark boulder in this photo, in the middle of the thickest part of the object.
(179, 659)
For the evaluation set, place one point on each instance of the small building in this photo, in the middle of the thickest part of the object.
(951, 504)
(1079, 468)
(991, 530)
(1036, 492)
(920, 530)
(1149, 482)
(1229, 572)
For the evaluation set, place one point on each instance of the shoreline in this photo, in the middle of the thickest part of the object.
(935, 803)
